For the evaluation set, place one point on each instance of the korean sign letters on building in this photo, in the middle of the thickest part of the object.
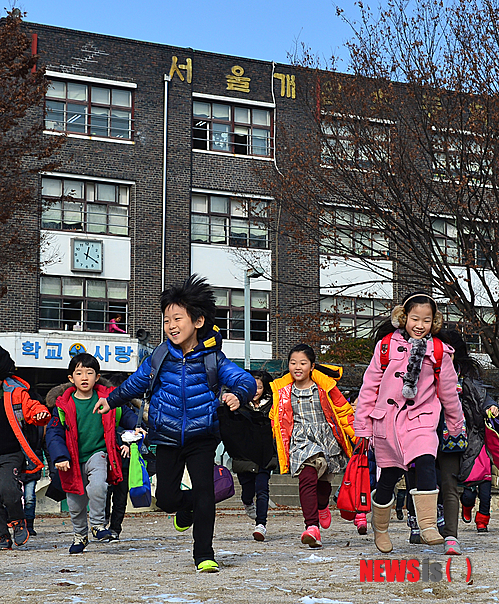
(54, 351)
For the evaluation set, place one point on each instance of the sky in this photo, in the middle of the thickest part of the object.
(260, 29)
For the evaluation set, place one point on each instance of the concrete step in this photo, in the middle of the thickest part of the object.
(283, 491)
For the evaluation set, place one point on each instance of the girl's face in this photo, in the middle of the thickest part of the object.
(419, 321)
(300, 369)
(259, 390)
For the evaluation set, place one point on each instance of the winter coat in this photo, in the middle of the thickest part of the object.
(337, 411)
(241, 464)
(182, 404)
(405, 429)
(20, 408)
(62, 439)
(475, 402)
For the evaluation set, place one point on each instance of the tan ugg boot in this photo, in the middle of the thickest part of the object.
(380, 519)
(425, 504)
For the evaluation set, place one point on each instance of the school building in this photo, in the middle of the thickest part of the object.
(162, 174)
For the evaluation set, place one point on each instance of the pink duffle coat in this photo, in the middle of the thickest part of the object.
(401, 429)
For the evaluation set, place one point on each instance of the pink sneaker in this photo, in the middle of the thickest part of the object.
(452, 547)
(325, 518)
(360, 522)
(312, 537)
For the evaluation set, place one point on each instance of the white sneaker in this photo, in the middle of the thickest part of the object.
(250, 510)
(259, 532)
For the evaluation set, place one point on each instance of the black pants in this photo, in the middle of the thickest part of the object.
(483, 489)
(117, 497)
(449, 464)
(11, 493)
(199, 457)
(426, 478)
(256, 483)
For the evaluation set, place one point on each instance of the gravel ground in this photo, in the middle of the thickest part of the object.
(152, 564)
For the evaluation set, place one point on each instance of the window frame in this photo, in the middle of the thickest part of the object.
(112, 305)
(82, 204)
(226, 324)
(357, 317)
(86, 129)
(353, 234)
(228, 221)
(230, 145)
(349, 141)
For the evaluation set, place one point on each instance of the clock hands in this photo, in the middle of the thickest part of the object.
(88, 257)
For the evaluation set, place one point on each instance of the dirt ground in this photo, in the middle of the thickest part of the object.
(152, 564)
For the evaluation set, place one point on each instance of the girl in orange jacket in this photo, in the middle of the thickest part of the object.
(312, 425)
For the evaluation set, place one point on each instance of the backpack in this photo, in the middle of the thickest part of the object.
(438, 352)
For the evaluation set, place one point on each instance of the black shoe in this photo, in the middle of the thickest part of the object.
(5, 542)
(31, 529)
(115, 536)
(400, 515)
(20, 529)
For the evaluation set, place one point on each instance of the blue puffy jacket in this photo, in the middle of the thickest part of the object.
(182, 405)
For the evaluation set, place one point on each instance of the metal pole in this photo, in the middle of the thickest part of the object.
(247, 316)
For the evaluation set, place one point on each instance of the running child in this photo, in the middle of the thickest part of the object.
(398, 406)
(182, 413)
(254, 480)
(310, 419)
(83, 448)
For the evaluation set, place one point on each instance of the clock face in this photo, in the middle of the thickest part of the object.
(87, 255)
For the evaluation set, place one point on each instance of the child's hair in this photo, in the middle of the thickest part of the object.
(197, 297)
(310, 354)
(266, 378)
(7, 365)
(306, 349)
(464, 364)
(398, 317)
(85, 360)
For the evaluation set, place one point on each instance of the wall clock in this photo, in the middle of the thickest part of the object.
(87, 255)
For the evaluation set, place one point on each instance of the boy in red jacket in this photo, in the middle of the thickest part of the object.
(16, 456)
(84, 450)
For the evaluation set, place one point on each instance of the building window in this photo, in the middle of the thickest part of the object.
(228, 220)
(453, 319)
(230, 314)
(350, 232)
(471, 246)
(357, 143)
(90, 207)
(352, 317)
(91, 303)
(92, 110)
(232, 129)
(456, 153)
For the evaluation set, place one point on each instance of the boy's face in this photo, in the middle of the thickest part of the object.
(84, 379)
(180, 328)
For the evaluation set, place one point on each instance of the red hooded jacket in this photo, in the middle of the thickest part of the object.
(62, 441)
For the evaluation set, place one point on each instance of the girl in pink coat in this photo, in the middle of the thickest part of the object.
(399, 408)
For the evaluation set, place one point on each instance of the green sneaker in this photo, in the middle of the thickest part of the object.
(179, 527)
(208, 566)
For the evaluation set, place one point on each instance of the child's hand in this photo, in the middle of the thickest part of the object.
(140, 431)
(42, 415)
(102, 406)
(63, 466)
(125, 451)
(494, 410)
(231, 401)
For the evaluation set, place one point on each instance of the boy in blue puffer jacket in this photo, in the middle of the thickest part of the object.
(183, 417)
